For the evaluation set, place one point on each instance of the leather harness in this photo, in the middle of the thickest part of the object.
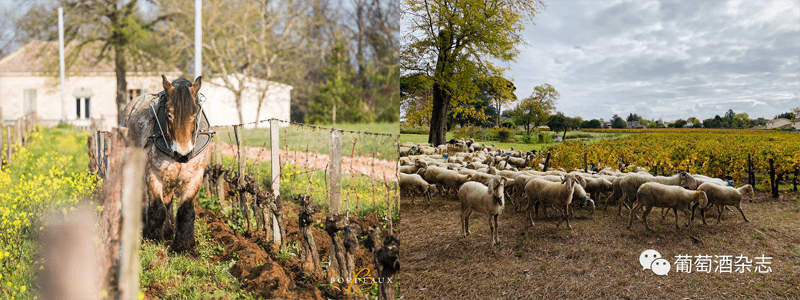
(160, 136)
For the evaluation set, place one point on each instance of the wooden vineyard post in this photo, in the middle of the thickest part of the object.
(794, 179)
(772, 182)
(585, 169)
(336, 222)
(111, 218)
(71, 257)
(750, 176)
(220, 180)
(8, 144)
(18, 133)
(275, 173)
(546, 162)
(334, 172)
(242, 197)
(130, 233)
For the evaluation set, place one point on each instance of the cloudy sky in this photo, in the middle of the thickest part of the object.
(665, 60)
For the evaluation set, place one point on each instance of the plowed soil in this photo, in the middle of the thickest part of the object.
(260, 271)
(599, 258)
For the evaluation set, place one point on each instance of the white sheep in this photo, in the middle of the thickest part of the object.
(540, 191)
(654, 194)
(489, 200)
(630, 184)
(724, 195)
(446, 180)
(415, 185)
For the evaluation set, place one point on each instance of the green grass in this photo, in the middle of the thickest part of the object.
(588, 137)
(183, 277)
(317, 140)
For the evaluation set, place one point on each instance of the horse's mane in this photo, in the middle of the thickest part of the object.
(183, 104)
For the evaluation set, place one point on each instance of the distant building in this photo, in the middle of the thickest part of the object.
(636, 125)
(779, 122)
(29, 84)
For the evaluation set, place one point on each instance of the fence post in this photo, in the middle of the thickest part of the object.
(750, 176)
(334, 173)
(772, 182)
(18, 133)
(242, 197)
(218, 161)
(546, 162)
(8, 144)
(71, 258)
(111, 217)
(794, 179)
(130, 233)
(275, 166)
(585, 169)
(335, 221)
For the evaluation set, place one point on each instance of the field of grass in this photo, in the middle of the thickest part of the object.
(588, 137)
(317, 140)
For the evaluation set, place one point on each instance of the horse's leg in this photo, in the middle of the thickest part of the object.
(168, 225)
(156, 212)
(184, 222)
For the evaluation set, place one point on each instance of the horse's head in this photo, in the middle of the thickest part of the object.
(182, 109)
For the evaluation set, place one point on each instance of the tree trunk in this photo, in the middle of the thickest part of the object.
(334, 111)
(441, 106)
(239, 106)
(122, 84)
(564, 137)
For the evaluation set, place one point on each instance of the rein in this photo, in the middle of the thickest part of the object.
(158, 122)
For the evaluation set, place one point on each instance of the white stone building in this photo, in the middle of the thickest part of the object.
(29, 84)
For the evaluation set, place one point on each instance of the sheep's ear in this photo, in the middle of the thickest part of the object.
(503, 181)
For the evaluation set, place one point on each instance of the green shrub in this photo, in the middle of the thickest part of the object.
(545, 137)
(526, 138)
(504, 135)
(408, 129)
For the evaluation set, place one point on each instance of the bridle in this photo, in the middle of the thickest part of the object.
(162, 100)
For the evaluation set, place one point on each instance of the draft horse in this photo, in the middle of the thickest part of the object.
(173, 129)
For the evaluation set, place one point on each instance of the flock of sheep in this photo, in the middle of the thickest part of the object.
(485, 179)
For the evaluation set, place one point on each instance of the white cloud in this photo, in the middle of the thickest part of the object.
(664, 59)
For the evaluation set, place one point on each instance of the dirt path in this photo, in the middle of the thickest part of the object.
(598, 259)
(378, 168)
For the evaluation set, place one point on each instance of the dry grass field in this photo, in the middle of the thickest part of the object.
(599, 258)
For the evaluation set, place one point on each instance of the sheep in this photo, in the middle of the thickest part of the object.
(519, 162)
(724, 195)
(414, 184)
(654, 194)
(579, 198)
(597, 186)
(540, 191)
(420, 164)
(489, 200)
(703, 179)
(405, 151)
(630, 184)
(446, 179)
